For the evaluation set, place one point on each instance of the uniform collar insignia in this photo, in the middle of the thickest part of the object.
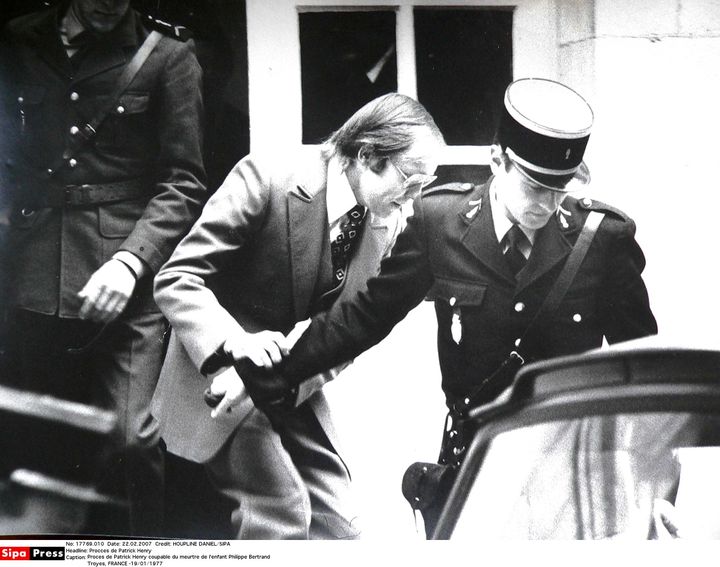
(476, 204)
(563, 215)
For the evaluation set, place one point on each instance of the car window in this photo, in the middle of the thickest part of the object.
(636, 476)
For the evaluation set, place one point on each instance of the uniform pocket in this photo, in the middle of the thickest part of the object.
(132, 103)
(457, 293)
(457, 305)
(126, 127)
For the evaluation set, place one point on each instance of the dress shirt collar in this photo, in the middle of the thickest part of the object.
(339, 195)
(70, 26)
(500, 221)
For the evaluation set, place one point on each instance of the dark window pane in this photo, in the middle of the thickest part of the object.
(347, 59)
(464, 63)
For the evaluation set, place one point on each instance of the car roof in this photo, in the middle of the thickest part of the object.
(632, 363)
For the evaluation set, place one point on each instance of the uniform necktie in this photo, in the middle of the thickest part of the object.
(515, 237)
(343, 245)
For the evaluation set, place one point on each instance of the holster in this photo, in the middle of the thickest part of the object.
(424, 485)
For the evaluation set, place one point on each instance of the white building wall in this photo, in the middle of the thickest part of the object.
(650, 69)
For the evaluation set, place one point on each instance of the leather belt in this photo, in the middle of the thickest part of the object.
(58, 197)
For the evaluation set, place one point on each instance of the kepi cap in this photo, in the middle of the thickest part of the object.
(544, 129)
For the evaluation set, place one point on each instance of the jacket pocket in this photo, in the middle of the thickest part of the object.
(457, 293)
(458, 305)
(132, 103)
(30, 95)
(126, 125)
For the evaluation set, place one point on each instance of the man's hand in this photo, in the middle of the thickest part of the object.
(264, 349)
(228, 385)
(107, 292)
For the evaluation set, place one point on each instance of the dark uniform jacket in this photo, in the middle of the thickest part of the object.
(152, 136)
(449, 252)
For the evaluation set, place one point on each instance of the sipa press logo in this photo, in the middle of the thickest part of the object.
(32, 553)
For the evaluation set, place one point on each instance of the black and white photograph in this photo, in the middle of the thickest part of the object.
(358, 270)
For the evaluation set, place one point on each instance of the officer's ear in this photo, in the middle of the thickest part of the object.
(499, 161)
(367, 157)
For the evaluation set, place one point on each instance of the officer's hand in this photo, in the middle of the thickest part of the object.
(107, 292)
(228, 385)
(268, 389)
(264, 349)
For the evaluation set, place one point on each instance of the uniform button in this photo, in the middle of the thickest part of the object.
(27, 212)
(577, 317)
(587, 201)
(21, 100)
(74, 130)
(452, 301)
(50, 171)
(72, 162)
(120, 109)
(74, 96)
(517, 342)
(519, 306)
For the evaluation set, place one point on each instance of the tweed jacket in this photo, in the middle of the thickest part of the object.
(449, 253)
(258, 258)
(153, 136)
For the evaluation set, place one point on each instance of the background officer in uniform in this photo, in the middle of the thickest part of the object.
(285, 235)
(91, 222)
(488, 256)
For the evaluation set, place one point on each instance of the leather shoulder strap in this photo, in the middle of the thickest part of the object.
(572, 265)
(127, 76)
(88, 131)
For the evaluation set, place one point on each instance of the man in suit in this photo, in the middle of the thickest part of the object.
(488, 256)
(285, 235)
(95, 207)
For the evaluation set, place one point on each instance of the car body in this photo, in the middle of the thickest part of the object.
(618, 443)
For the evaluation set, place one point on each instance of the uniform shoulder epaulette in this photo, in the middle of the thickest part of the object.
(449, 188)
(589, 204)
(180, 33)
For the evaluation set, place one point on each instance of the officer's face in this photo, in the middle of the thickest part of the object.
(100, 16)
(526, 203)
(383, 185)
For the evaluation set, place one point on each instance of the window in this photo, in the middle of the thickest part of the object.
(347, 59)
(464, 64)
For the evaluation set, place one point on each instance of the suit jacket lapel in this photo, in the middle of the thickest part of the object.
(551, 246)
(307, 210)
(480, 238)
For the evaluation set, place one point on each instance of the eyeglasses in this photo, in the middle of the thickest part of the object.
(416, 181)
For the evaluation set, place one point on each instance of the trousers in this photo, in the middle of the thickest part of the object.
(286, 481)
(115, 368)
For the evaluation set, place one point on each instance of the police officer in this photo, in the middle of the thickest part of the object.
(100, 180)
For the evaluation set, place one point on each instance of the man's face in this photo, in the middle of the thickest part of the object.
(526, 203)
(384, 185)
(100, 16)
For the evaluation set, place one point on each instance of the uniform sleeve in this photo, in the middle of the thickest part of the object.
(354, 325)
(626, 307)
(179, 173)
(231, 217)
